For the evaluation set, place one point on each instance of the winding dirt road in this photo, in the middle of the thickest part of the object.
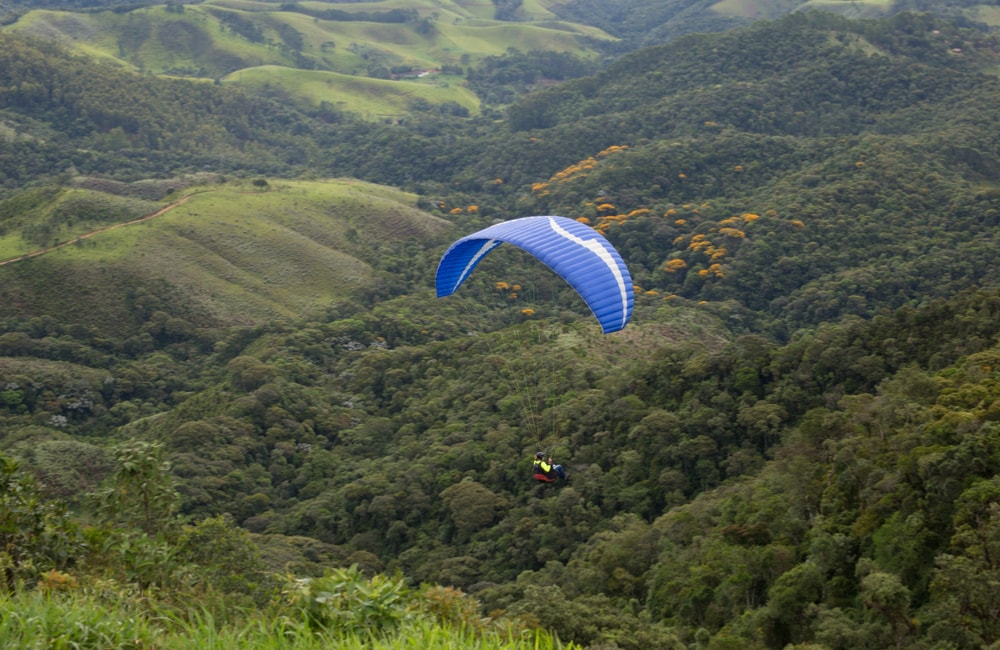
(42, 251)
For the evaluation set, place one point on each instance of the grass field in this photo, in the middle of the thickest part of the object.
(988, 14)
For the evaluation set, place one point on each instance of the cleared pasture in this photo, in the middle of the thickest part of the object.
(376, 98)
(239, 253)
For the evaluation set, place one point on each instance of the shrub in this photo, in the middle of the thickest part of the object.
(346, 601)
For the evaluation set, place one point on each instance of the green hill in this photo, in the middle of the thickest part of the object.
(371, 98)
(221, 255)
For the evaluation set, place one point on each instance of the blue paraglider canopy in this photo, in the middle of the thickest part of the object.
(576, 252)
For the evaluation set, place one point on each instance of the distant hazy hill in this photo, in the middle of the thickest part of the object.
(639, 23)
(345, 55)
(381, 60)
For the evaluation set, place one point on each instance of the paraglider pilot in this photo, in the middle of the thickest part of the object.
(545, 471)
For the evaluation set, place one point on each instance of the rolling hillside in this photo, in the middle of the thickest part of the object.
(425, 48)
(364, 44)
(224, 254)
(363, 96)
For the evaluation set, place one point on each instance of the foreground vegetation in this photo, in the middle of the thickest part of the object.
(93, 609)
(836, 490)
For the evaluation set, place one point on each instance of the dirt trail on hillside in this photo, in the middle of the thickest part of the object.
(42, 251)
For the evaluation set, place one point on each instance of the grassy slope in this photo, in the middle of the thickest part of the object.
(107, 35)
(372, 97)
(197, 43)
(236, 255)
(986, 14)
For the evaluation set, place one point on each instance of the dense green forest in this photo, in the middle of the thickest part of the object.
(642, 23)
(794, 443)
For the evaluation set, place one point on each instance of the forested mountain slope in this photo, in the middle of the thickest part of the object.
(641, 23)
(794, 171)
(838, 490)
